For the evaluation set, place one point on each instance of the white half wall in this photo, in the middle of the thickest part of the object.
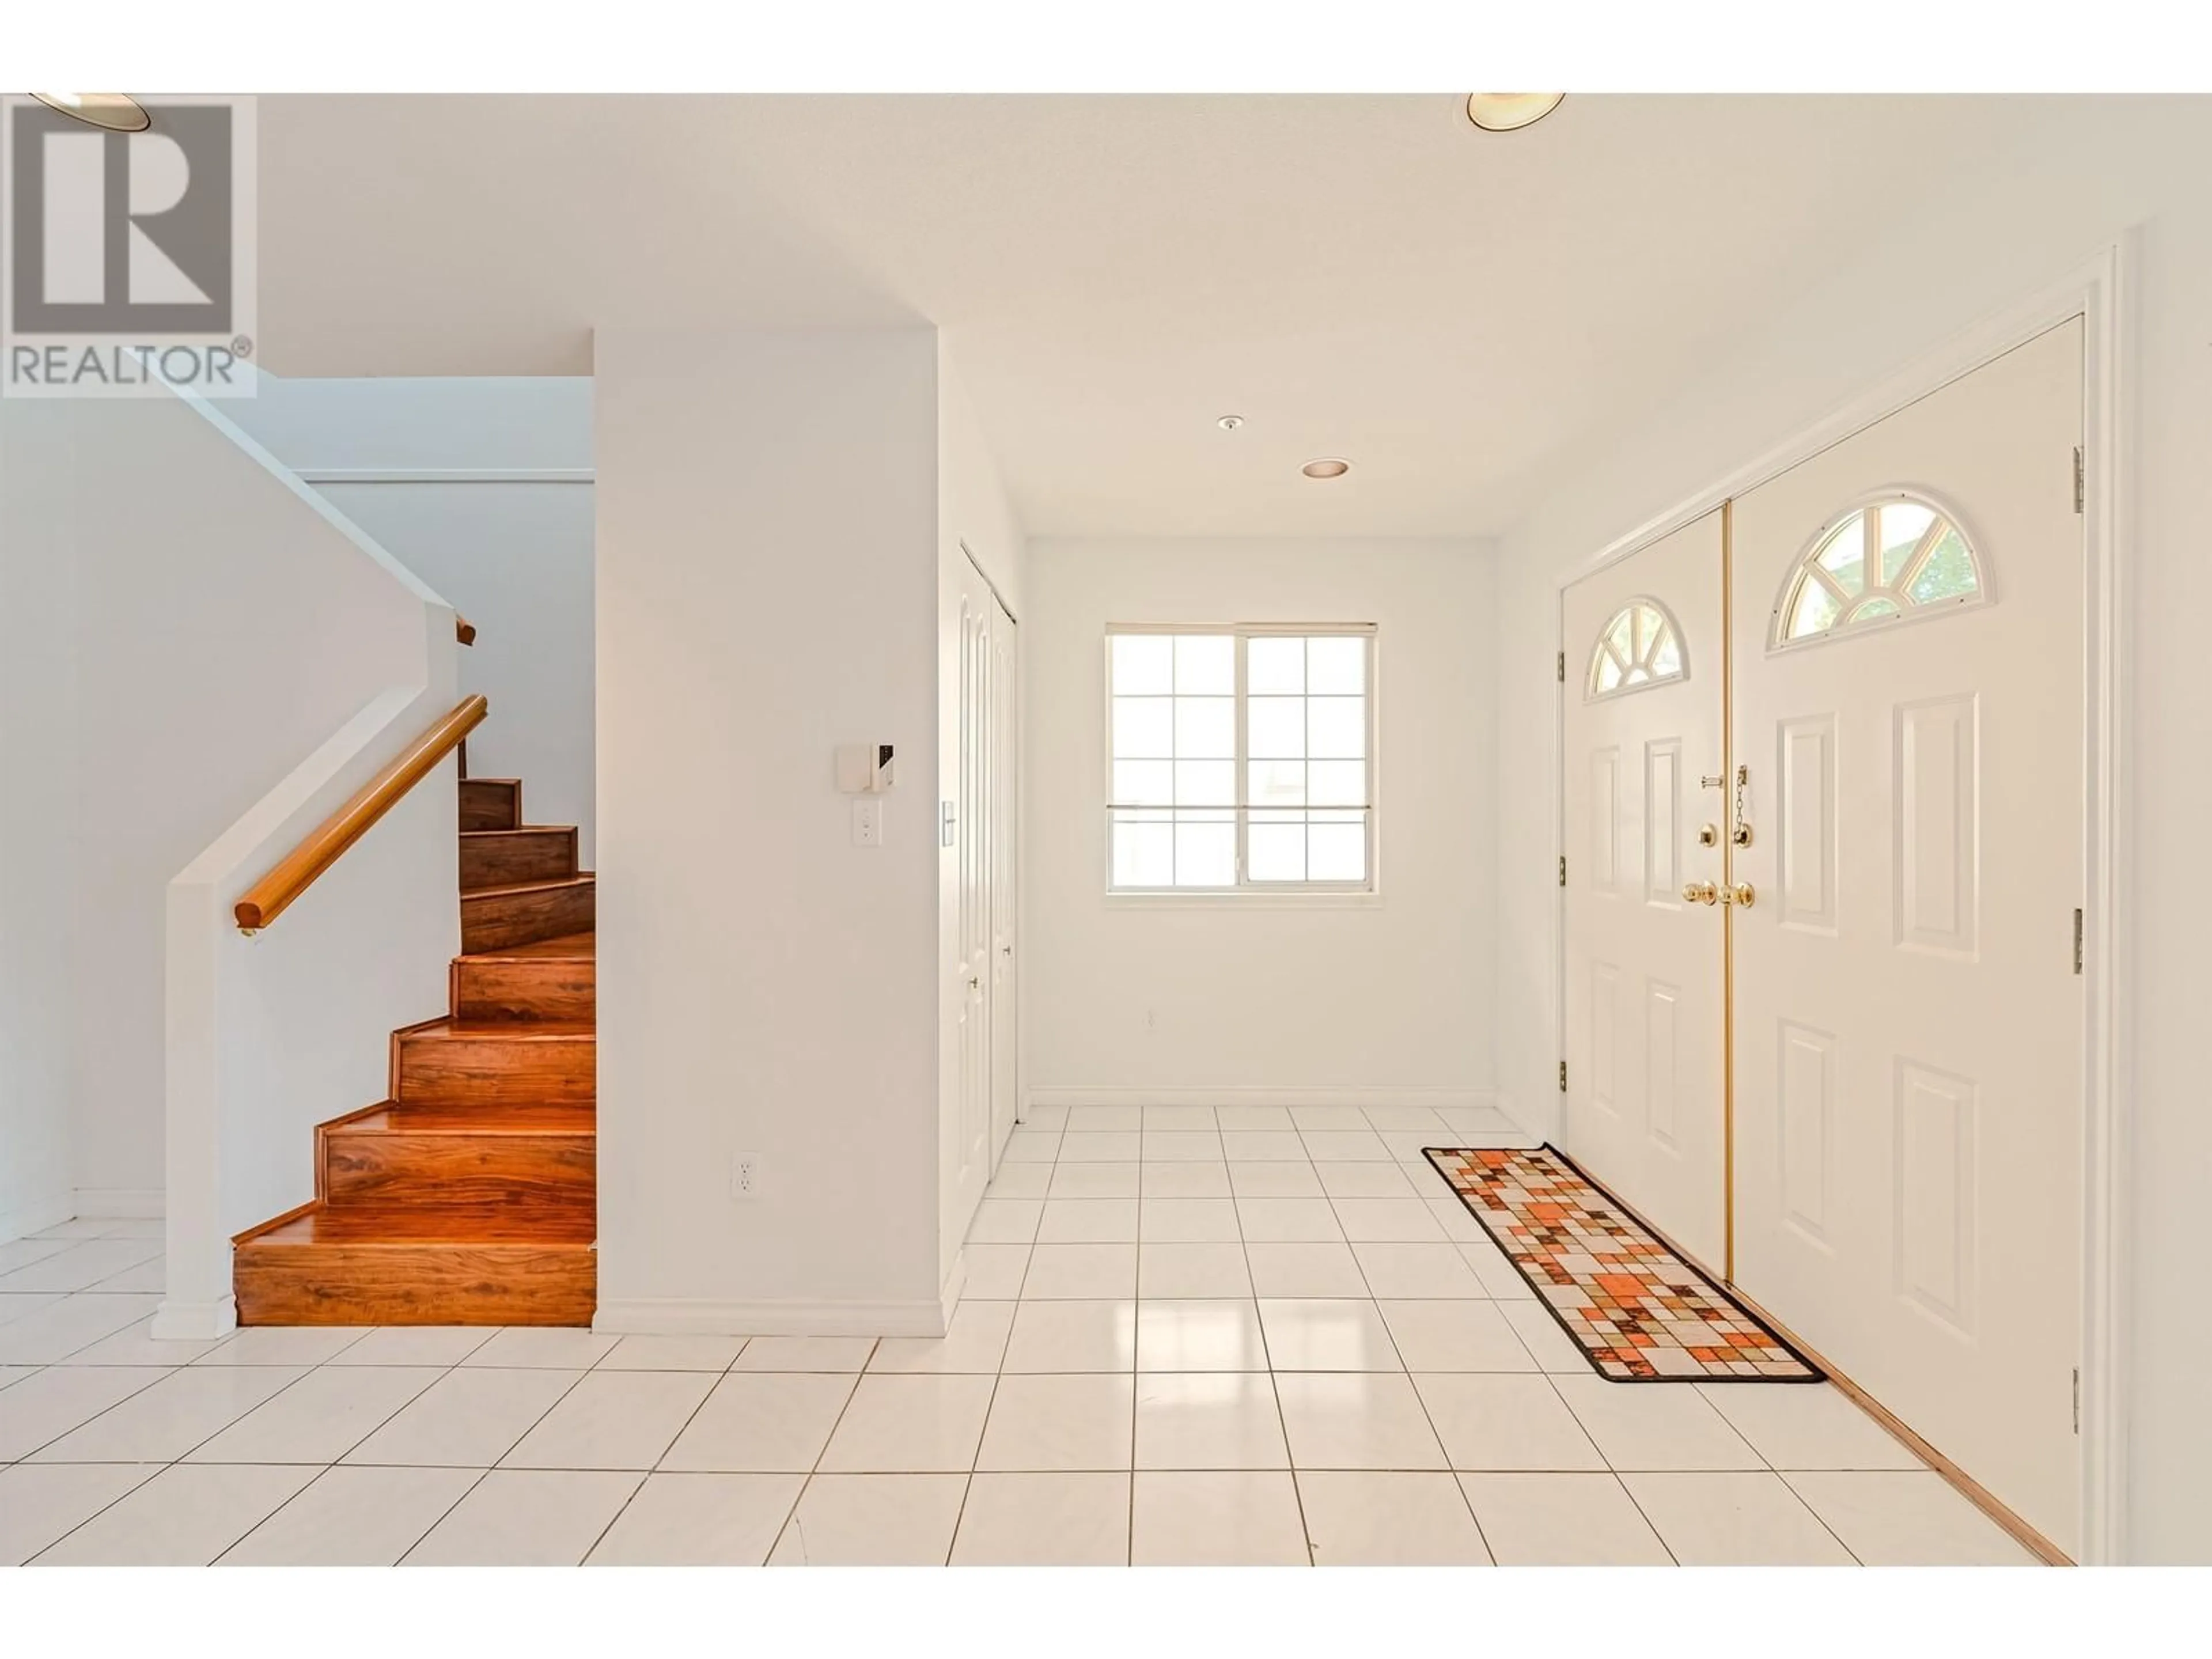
(508, 544)
(767, 590)
(1386, 997)
(2135, 173)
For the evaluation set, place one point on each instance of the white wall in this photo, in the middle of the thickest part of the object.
(1366, 999)
(767, 590)
(2000, 240)
(510, 549)
(38, 822)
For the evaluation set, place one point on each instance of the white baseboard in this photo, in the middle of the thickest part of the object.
(1255, 1094)
(683, 1316)
(133, 1203)
(34, 1215)
(954, 1285)
(194, 1320)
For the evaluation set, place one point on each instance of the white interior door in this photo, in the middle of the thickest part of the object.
(972, 843)
(1908, 1022)
(1645, 1101)
(1006, 840)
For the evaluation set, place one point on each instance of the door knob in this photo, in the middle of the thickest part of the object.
(1740, 895)
(1700, 892)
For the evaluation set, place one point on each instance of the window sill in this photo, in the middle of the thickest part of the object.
(1243, 899)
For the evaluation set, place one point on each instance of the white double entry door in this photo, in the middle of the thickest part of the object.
(1823, 783)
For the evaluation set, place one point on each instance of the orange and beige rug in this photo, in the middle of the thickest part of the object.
(1638, 1311)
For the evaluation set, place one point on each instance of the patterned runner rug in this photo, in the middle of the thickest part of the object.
(1637, 1310)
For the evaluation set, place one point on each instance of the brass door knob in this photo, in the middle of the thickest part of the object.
(1740, 895)
(1700, 892)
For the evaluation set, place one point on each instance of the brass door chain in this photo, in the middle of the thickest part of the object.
(1740, 894)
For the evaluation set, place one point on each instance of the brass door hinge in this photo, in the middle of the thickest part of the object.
(1562, 1077)
(1563, 869)
(2077, 1400)
(1563, 668)
(2077, 940)
(2081, 479)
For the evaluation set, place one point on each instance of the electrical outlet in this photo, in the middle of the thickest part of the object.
(744, 1176)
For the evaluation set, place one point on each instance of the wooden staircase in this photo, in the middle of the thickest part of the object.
(469, 1197)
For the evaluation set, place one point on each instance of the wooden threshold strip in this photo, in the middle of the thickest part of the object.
(1967, 1487)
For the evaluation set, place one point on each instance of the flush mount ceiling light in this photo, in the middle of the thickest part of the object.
(1508, 112)
(1329, 467)
(112, 111)
(1229, 422)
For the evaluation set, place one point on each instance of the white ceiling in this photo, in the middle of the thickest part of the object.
(1454, 310)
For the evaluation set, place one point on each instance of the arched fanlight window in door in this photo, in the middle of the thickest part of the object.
(1897, 555)
(1640, 646)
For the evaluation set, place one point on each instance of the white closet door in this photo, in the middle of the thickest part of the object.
(1006, 825)
(1646, 1102)
(1908, 1032)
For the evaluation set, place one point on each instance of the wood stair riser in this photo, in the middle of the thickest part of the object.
(534, 1170)
(522, 989)
(508, 858)
(430, 1069)
(497, 919)
(415, 1284)
(491, 803)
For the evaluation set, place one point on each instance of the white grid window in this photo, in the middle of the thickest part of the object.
(1240, 759)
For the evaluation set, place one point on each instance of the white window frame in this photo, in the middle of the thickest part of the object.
(1651, 681)
(1246, 890)
(1799, 571)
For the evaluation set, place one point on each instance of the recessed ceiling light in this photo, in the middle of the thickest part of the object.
(115, 112)
(1229, 422)
(1508, 112)
(1327, 467)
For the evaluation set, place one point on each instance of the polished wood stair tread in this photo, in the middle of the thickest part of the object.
(581, 878)
(576, 947)
(501, 1031)
(526, 1118)
(412, 1226)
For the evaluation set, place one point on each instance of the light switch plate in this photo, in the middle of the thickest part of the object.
(868, 822)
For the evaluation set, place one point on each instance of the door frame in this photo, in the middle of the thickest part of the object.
(2097, 291)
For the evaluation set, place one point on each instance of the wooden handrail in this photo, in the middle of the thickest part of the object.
(267, 899)
(464, 630)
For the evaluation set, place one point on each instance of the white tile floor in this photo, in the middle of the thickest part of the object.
(1249, 1334)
